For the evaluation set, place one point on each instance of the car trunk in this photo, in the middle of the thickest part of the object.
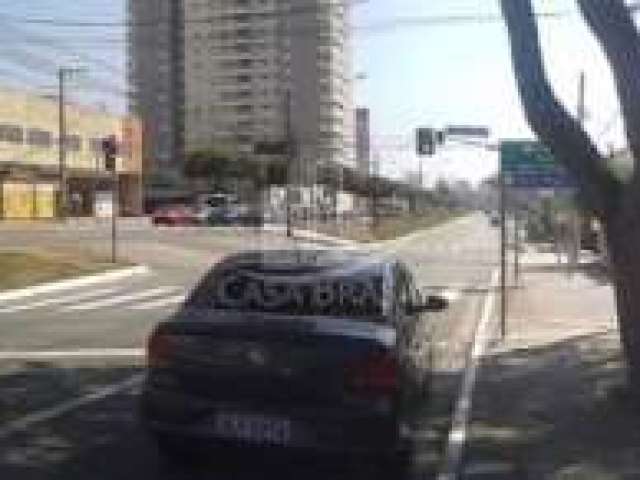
(273, 361)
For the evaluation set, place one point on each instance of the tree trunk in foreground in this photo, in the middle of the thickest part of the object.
(616, 202)
(623, 237)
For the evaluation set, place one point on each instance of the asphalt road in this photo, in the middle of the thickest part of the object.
(61, 355)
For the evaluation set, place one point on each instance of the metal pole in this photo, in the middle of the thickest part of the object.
(503, 255)
(290, 156)
(374, 194)
(516, 246)
(115, 194)
(62, 134)
(576, 223)
(420, 182)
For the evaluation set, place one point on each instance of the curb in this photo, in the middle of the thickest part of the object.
(83, 281)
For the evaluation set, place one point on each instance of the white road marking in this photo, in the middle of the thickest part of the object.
(73, 283)
(119, 300)
(61, 300)
(28, 421)
(459, 424)
(82, 352)
(160, 303)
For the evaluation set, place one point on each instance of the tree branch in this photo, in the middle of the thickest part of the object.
(548, 118)
(611, 22)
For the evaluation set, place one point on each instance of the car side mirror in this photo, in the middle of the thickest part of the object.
(429, 303)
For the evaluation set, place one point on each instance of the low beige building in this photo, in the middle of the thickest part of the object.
(30, 170)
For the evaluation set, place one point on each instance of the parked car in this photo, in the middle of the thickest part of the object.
(494, 218)
(233, 214)
(174, 215)
(313, 351)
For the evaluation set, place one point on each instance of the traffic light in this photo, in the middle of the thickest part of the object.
(110, 150)
(426, 141)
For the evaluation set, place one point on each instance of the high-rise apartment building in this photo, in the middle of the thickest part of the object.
(227, 74)
(363, 140)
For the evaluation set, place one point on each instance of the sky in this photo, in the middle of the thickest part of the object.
(425, 74)
(31, 53)
(436, 75)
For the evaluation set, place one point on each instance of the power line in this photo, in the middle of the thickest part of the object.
(44, 67)
(278, 12)
(55, 44)
(460, 19)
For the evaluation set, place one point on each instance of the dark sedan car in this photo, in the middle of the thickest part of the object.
(295, 351)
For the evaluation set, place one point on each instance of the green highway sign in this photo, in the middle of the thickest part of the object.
(529, 164)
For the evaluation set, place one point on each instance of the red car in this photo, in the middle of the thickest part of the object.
(174, 215)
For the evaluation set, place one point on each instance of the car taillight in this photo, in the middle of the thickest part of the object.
(159, 350)
(376, 373)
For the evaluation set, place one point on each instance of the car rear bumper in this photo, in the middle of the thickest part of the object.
(320, 430)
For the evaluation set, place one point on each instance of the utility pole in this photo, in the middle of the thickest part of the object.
(503, 252)
(290, 157)
(576, 221)
(62, 151)
(63, 72)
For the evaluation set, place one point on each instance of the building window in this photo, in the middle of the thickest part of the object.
(95, 144)
(73, 143)
(38, 138)
(11, 134)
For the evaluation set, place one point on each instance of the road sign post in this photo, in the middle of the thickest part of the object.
(529, 164)
(524, 164)
(503, 256)
(110, 150)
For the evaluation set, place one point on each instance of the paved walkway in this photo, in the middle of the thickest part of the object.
(550, 402)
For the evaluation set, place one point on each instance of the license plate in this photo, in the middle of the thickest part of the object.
(253, 428)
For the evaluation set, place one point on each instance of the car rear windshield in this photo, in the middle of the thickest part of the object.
(291, 292)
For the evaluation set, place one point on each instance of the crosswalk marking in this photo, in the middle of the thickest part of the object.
(119, 300)
(60, 301)
(163, 302)
(80, 352)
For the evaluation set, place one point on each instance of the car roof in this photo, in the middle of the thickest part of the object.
(338, 262)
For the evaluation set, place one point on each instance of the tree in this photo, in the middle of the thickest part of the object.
(615, 200)
(211, 165)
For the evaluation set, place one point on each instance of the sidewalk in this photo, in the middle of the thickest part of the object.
(549, 402)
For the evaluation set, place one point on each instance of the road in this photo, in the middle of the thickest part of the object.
(61, 355)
